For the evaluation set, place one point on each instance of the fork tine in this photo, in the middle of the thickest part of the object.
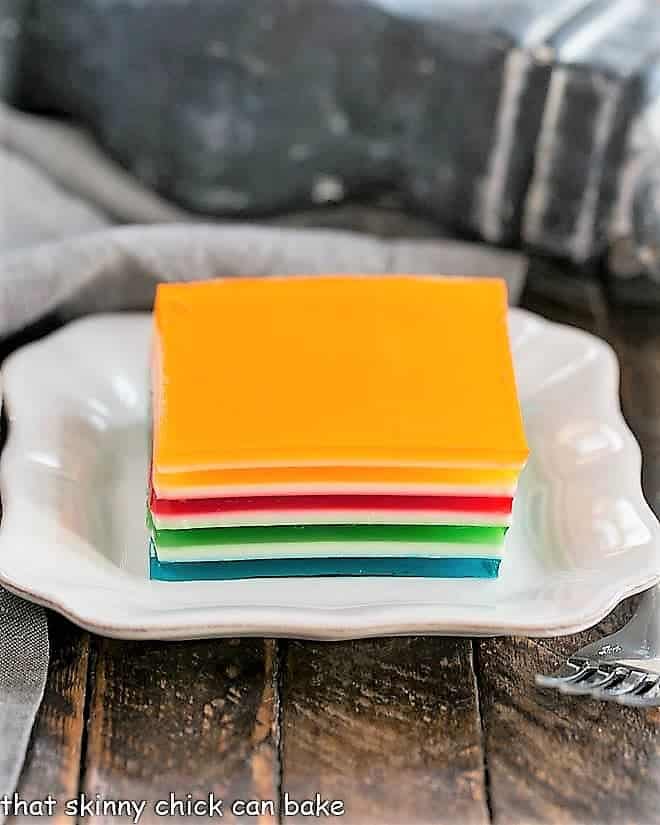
(572, 670)
(630, 683)
(597, 680)
(650, 697)
(623, 667)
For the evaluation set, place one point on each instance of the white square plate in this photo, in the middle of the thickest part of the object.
(72, 479)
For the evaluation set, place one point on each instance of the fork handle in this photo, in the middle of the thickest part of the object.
(640, 637)
(645, 624)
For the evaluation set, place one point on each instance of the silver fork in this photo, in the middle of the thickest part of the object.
(623, 667)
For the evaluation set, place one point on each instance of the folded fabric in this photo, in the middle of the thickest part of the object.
(117, 269)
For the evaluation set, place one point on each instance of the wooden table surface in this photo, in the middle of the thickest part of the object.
(404, 730)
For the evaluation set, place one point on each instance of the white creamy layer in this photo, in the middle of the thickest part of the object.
(266, 518)
(330, 549)
(350, 488)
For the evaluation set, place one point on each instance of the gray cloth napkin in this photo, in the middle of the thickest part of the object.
(58, 181)
(117, 269)
(23, 671)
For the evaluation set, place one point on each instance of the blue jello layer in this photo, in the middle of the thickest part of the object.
(446, 568)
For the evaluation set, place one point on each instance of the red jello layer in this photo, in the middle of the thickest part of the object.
(500, 505)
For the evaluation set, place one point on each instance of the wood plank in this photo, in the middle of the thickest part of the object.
(184, 718)
(553, 758)
(53, 761)
(389, 726)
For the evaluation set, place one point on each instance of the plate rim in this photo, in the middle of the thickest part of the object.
(317, 623)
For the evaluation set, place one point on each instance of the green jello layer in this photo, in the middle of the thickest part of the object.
(286, 534)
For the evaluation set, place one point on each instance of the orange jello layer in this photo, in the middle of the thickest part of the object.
(452, 480)
(335, 370)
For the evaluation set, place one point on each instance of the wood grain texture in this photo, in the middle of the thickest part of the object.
(553, 758)
(53, 761)
(182, 718)
(389, 726)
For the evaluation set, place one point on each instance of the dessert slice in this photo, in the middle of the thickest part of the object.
(332, 426)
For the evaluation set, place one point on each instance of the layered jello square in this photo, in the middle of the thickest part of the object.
(332, 425)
